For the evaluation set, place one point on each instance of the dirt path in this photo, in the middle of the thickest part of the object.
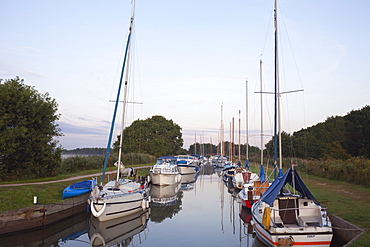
(65, 179)
(57, 181)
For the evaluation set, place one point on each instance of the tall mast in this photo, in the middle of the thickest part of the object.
(222, 134)
(277, 125)
(261, 112)
(262, 169)
(195, 143)
(107, 152)
(233, 141)
(246, 129)
(239, 139)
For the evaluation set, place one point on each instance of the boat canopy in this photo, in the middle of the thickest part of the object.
(167, 157)
(291, 177)
(88, 184)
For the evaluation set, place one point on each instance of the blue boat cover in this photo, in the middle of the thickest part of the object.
(167, 157)
(262, 173)
(87, 184)
(291, 177)
(182, 162)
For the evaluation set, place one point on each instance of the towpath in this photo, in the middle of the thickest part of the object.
(65, 179)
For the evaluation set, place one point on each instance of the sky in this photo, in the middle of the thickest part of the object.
(188, 59)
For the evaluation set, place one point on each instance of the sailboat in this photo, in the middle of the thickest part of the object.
(256, 185)
(290, 216)
(121, 196)
(244, 177)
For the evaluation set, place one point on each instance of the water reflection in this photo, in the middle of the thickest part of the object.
(124, 231)
(204, 211)
(189, 178)
(54, 234)
(166, 201)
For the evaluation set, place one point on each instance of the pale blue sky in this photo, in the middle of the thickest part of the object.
(190, 56)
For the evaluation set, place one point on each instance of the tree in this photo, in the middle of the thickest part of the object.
(358, 132)
(156, 136)
(27, 130)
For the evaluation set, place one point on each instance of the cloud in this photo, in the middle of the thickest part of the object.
(82, 130)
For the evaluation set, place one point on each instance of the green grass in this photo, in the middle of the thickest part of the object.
(22, 196)
(348, 201)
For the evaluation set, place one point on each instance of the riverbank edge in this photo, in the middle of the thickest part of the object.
(40, 215)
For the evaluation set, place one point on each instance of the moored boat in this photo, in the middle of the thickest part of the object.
(289, 215)
(165, 171)
(228, 171)
(78, 189)
(187, 164)
(286, 219)
(122, 196)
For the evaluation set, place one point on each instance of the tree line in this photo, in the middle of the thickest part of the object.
(339, 137)
(29, 149)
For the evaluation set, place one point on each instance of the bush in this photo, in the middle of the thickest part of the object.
(353, 170)
(82, 163)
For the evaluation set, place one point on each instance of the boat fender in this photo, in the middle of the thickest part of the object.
(97, 213)
(144, 204)
(97, 237)
(266, 218)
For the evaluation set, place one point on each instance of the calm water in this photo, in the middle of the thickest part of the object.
(203, 213)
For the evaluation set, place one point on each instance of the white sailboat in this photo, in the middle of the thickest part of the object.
(119, 197)
(291, 216)
(245, 178)
(256, 185)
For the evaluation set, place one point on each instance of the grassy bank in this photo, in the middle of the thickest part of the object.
(22, 196)
(348, 201)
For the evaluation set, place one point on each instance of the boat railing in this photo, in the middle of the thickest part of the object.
(299, 220)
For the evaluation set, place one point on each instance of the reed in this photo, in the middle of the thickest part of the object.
(354, 170)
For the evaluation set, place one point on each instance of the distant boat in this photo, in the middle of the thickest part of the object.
(187, 164)
(219, 161)
(79, 188)
(254, 185)
(228, 171)
(165, 171)
(122, 196)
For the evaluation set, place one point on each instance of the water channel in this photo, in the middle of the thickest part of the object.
(201, 212)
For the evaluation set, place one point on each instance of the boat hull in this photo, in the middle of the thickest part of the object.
(188, 169)
(306, 239)
(164, 179)
(78, 189)
(119, 205)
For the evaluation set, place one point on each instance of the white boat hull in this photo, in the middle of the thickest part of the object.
(113, 207)
(117, 200)
(164, 179)
(305, 224)
(299, 239)
(187, 169)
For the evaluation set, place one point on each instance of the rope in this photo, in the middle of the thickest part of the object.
(339, 228)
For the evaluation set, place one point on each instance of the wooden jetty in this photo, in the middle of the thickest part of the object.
(40, 215)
